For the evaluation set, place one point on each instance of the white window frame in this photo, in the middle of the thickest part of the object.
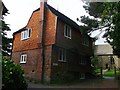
(23, 58)
(67, 31)
(83, 60)
(62, 55)
(26, 34)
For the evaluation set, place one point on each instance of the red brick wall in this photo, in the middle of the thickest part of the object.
(47, 68)
(33, 63)
(32, 46)
(50, 31)
(31, 43)
(34, 23)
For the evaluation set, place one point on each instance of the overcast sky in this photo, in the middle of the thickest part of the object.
(21, 10)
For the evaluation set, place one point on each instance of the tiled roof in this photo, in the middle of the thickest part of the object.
(104, 49)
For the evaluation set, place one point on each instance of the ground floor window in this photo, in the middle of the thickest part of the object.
(23, 58)
(83, 60)
(62, 55)
(82, 75)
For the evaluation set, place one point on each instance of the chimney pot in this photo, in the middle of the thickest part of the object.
(43, 0)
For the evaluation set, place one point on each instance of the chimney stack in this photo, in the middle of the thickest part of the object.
(42, 8)
(43, 0)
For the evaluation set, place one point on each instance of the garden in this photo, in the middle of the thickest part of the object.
(108, 73)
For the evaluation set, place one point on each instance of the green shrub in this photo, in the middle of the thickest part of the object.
(12, 76)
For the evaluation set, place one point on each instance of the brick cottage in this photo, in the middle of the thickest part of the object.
(51, 44)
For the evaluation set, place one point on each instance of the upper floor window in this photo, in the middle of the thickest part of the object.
(85, 40)
(62, 55)
(67, 31)
(23, 58)
(26, 34)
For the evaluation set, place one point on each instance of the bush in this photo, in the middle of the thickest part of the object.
(12, 76)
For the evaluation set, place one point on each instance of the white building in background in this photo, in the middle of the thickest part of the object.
(106, 57)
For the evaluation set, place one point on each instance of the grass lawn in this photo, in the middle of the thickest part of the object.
(97, 70)
(111, 73)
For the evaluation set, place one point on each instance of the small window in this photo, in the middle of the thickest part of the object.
(23, 58)
(83, 60)
(67, 31)
(26, 34)
(62, 55)
(82, 76)
(85, 40)
(112, 60)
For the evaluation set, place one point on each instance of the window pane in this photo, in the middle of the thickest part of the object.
(21, 35)
(61, 55)
(25, 34)
(29, 31)
(23, 58)
(67, 31)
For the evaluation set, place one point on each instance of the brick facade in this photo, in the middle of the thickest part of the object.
(33, 66)
(47, 36)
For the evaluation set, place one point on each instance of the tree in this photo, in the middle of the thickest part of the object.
(92, 23)
(106, 18)
(111, 16)
(94, 61)
(6, 42)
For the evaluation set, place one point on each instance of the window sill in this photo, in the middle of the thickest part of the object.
(83, 64)
(25, 39)
(82, 78)
(68, 37)
(22, 62)
(85, 45)
(62, 61)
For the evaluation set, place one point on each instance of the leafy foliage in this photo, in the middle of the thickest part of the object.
(94, 61)
(106, 18)
(95, 9)
(89, 24)
(111, 16)
(6, 42)
(13, 76)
